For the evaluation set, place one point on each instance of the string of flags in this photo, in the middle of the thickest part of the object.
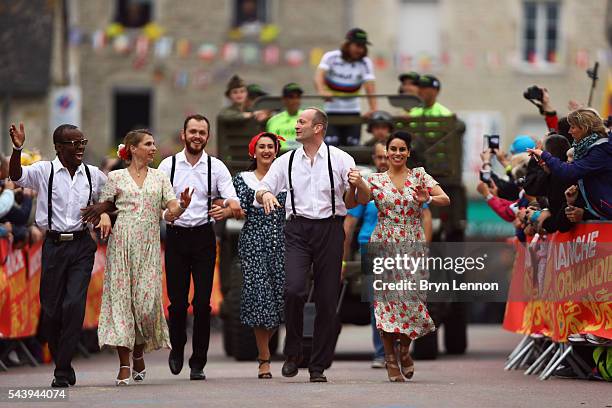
(151, 45)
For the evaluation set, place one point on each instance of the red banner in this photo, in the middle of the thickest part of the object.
(567, 288)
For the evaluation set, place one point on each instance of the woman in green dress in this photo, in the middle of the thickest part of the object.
(132, 315)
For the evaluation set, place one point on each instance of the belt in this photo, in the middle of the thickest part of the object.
(58, 236)
(190, 229)
(315, 220)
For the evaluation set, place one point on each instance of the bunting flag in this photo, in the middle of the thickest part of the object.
(201, 79)
(271, 55)
(294, 57)
(493, 60)
(207, 52)
(181, 79)
(75, 36)
(315, 56)
(183, 48)
(230, 52)
(250, 54)
(98, 40)
(141, 48)
(163, 47)
(582, 59)
(121, 44)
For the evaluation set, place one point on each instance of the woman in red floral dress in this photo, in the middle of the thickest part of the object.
(400, 194)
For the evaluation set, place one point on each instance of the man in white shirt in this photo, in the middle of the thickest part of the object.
(316, 176)
(65, 186)
(190, 241)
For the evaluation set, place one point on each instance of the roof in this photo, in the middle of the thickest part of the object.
(26, 33)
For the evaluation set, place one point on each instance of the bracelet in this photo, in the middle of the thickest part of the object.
(20, 148)
(508, 168)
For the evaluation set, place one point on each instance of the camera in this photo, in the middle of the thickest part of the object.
(492, 141)
(534, 93)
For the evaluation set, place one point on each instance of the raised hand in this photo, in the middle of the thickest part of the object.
(185, 198)
(17, 135)
(422, 194)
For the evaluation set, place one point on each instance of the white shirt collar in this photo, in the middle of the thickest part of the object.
(57, 166)
(181, 156)
(322, 152)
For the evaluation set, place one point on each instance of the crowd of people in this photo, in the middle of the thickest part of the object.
(550, 184)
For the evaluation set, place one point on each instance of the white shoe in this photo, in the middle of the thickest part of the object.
(139, 376)
(378, 362)
(125, 381)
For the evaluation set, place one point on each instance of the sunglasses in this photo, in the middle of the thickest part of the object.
(74, 143)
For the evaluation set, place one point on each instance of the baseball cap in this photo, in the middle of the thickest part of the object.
(255, 91)
(429, 81)
(521, 143)
(357, 35)
(292, 88)
(412, 76)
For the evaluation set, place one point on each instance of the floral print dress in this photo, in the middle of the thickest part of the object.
(261, 248)
(399, 228)
(132, 308)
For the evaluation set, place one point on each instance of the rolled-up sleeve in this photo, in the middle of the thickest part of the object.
(32, 176)
(225, 186)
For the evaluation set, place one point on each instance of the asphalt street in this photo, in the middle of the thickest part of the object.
(476, 379)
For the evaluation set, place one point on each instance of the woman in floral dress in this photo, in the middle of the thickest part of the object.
(399, 194)
(261, 248)
(132, 315)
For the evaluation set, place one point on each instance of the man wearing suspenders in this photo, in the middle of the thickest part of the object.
(191, 243)
(316, 176)
(65, 186)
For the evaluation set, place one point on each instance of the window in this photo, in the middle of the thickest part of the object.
(540, 36)
(134, 13)
(249, 12)
(419, 34)
(132, 110)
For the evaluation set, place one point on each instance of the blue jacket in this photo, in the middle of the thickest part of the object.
(595, 170)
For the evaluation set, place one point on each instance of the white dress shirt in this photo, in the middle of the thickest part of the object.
(310, 181)
(186, 175)
(69, 196)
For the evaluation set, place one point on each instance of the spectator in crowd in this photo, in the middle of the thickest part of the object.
(380, 125)
(592, 165)
(429, 88)
(409, 83)
(255, 91)
(515, 165)
(237, 94)
(283, 123)
(342, 73)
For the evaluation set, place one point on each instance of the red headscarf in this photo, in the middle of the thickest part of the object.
(256, 138)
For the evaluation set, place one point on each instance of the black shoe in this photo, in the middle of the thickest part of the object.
(290, 367)
(175, 361)
(60, 382)
(197, 374)
(72, 378)
(317, 377)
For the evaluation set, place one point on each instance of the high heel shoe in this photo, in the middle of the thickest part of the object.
(406, 362)
(393, 371)
(138, 376)
(125, 381)
(264, 374)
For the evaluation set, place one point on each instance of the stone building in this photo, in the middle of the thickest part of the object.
(485, 54)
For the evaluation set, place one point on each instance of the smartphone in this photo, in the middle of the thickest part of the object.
(485, 176)
(493, 141)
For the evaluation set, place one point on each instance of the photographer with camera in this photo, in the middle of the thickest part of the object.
(541, 99)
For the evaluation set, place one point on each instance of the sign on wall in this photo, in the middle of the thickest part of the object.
(65, 107)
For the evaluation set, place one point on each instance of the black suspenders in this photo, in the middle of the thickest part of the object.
(50, 193)
(331, 183)
(209, 165)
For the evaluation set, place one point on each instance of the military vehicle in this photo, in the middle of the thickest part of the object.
(437, 145)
